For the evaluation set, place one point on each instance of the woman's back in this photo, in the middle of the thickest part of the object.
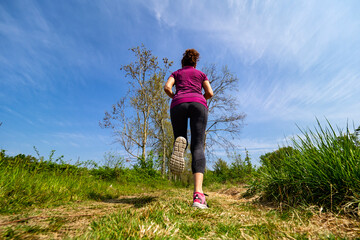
(188, 80)
(188, 83)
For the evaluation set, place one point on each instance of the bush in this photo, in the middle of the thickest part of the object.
(221, 170)
(277, 159)
(239, 171)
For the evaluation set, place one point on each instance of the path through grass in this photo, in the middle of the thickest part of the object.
(168, 215)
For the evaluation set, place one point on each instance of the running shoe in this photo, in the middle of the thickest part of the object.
(177, 162)
(199, 200)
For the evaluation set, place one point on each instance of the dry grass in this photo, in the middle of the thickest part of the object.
(169, 215)
(311, 221)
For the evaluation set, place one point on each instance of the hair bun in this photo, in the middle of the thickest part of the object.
(190, 57)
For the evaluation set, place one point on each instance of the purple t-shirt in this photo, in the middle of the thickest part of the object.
(188, 83)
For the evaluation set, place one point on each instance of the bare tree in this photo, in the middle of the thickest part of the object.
(130, 117)
(160, 116)
(140, 120)
(225, 121)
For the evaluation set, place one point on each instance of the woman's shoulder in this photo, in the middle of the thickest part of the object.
(189, 71)
(201, 73)
(175, 73)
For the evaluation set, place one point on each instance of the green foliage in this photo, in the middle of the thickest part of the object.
(277, 158)
(221, 170)
(322, 167)
(106, 173)
(113, 168)
(146, 163)
(239, 170)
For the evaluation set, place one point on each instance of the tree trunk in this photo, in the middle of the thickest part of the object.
(143, 154)
(164, 148)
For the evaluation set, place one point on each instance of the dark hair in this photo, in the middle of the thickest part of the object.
(190, 58)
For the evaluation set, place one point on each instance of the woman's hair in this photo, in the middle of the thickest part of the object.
(190, 58)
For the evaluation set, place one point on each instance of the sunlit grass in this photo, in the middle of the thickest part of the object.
(167, 214)
(323, 169)
(26, 182)
(320, 172)
(172, 217)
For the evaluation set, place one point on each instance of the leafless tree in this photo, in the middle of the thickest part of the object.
(225, 120)
(140, 120)
(160, 116)
(130, 117)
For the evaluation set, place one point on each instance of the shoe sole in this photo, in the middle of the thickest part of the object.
(177, 162)
(199, 205)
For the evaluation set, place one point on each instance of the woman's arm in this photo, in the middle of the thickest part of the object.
(168, 87)
(208, 90)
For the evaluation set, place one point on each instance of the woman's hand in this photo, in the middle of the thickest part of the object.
(208, 90)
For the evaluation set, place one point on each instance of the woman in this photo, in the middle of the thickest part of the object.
(189, 102)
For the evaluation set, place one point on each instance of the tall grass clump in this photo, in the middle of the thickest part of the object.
(322, 168)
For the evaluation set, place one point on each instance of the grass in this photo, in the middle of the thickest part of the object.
(167, 214)
(322, 168)
(310, 182)
(27, 182)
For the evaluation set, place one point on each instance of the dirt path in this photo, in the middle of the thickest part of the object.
(75, 219)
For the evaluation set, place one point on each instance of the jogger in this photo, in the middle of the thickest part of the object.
(189, 103)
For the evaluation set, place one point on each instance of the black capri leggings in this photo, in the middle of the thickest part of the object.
(198, 115)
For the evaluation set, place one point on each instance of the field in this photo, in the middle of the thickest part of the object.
(309, 190)
(166, 214)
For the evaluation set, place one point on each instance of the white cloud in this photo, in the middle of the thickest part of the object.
(41, 50)
(311, 51)
(306, 98)
(299, 31)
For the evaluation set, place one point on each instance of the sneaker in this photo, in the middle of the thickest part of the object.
(199, 200)
(177, 162)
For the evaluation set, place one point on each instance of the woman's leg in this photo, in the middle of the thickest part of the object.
(179, 120)
(198, 181)
(198, 114)
(198, 120)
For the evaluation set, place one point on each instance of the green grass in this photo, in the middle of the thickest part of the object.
(322, 168)
(172, 217)
(167, 214)
(27, 182)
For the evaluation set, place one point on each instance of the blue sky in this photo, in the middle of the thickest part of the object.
(60, 65)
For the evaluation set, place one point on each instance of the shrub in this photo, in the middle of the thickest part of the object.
(221, 170)
(238, 171)
(277, 158)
